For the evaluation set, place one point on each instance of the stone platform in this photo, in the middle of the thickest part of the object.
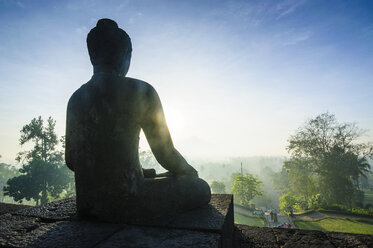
(56, 225)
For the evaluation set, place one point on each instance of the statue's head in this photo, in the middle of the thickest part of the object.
(109, 47)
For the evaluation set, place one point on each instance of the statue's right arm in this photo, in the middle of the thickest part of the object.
(159, 138)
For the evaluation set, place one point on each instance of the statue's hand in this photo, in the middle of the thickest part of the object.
(188, 171)
(165, 174)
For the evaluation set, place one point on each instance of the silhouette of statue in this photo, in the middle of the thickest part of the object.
(104, 119)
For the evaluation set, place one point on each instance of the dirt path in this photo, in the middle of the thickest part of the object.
(281, 219)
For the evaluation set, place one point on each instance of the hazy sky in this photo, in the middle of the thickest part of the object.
(236, 78)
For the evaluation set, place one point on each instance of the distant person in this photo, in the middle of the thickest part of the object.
(291, 212)
(271, 213)
(104, 119)
(275, 220)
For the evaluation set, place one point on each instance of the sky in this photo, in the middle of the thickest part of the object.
(236, 78)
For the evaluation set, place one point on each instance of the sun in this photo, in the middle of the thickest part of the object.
(175, 122)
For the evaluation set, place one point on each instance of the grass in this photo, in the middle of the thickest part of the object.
(348, 225)
(249, 220)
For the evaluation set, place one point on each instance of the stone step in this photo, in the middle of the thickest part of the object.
(56, 225)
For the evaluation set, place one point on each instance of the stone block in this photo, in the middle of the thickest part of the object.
(301, 238)
(23, 231)
(56, 222)
(54, 211)
(253, 236)
(8, 208)
(349, 240)
(216, 217)
(136, 236)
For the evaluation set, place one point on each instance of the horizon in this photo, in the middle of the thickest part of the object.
(235, 79)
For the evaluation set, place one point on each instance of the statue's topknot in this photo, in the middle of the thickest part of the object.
(108, 44)
(106, 23)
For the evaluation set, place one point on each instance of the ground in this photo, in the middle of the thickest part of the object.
(334, 222)
(248, 220)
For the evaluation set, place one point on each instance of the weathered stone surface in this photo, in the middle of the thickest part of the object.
(249, 236)
(252, 236)
(134, 236)
(207, 225)
(15, 230)
(208, 218)
(59, 210)
(216, 217)
(21, 231)
(347, 240)
(7, 208)
(301, 238)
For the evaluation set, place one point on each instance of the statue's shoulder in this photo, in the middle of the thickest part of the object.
(142, 86)
(79, 95)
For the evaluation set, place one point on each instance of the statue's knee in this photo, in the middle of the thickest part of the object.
(205, 190)
(198, 188)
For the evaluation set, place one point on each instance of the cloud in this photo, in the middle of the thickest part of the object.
(12, 2)
(295, 39)
(81, 30)
(287, 7)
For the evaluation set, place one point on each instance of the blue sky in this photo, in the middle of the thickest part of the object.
(236, 78)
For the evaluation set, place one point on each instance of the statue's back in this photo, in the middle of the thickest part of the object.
(105, 116)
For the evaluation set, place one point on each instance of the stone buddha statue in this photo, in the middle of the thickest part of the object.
(104, 119)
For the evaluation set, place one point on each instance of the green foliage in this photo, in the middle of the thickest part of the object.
(362, 211)
(343, 209)
(6, 171)
(316, 201)
(218, 187)
(43, 173)
(287, 202)
(327, 159)
(280, 181)
(148, 161)
(245, 188)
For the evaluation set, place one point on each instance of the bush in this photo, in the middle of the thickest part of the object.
(218, 187)
(362, 211)
(316, 201)
(337, 207)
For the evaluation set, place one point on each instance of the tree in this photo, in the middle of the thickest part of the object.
(245, 188)
(302, 182)
(327, 153)
(218, 187)
(43, 171)
(287, 202)
(148, 161)
(6, 171)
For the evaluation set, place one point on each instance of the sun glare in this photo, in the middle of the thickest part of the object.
(175, 122)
